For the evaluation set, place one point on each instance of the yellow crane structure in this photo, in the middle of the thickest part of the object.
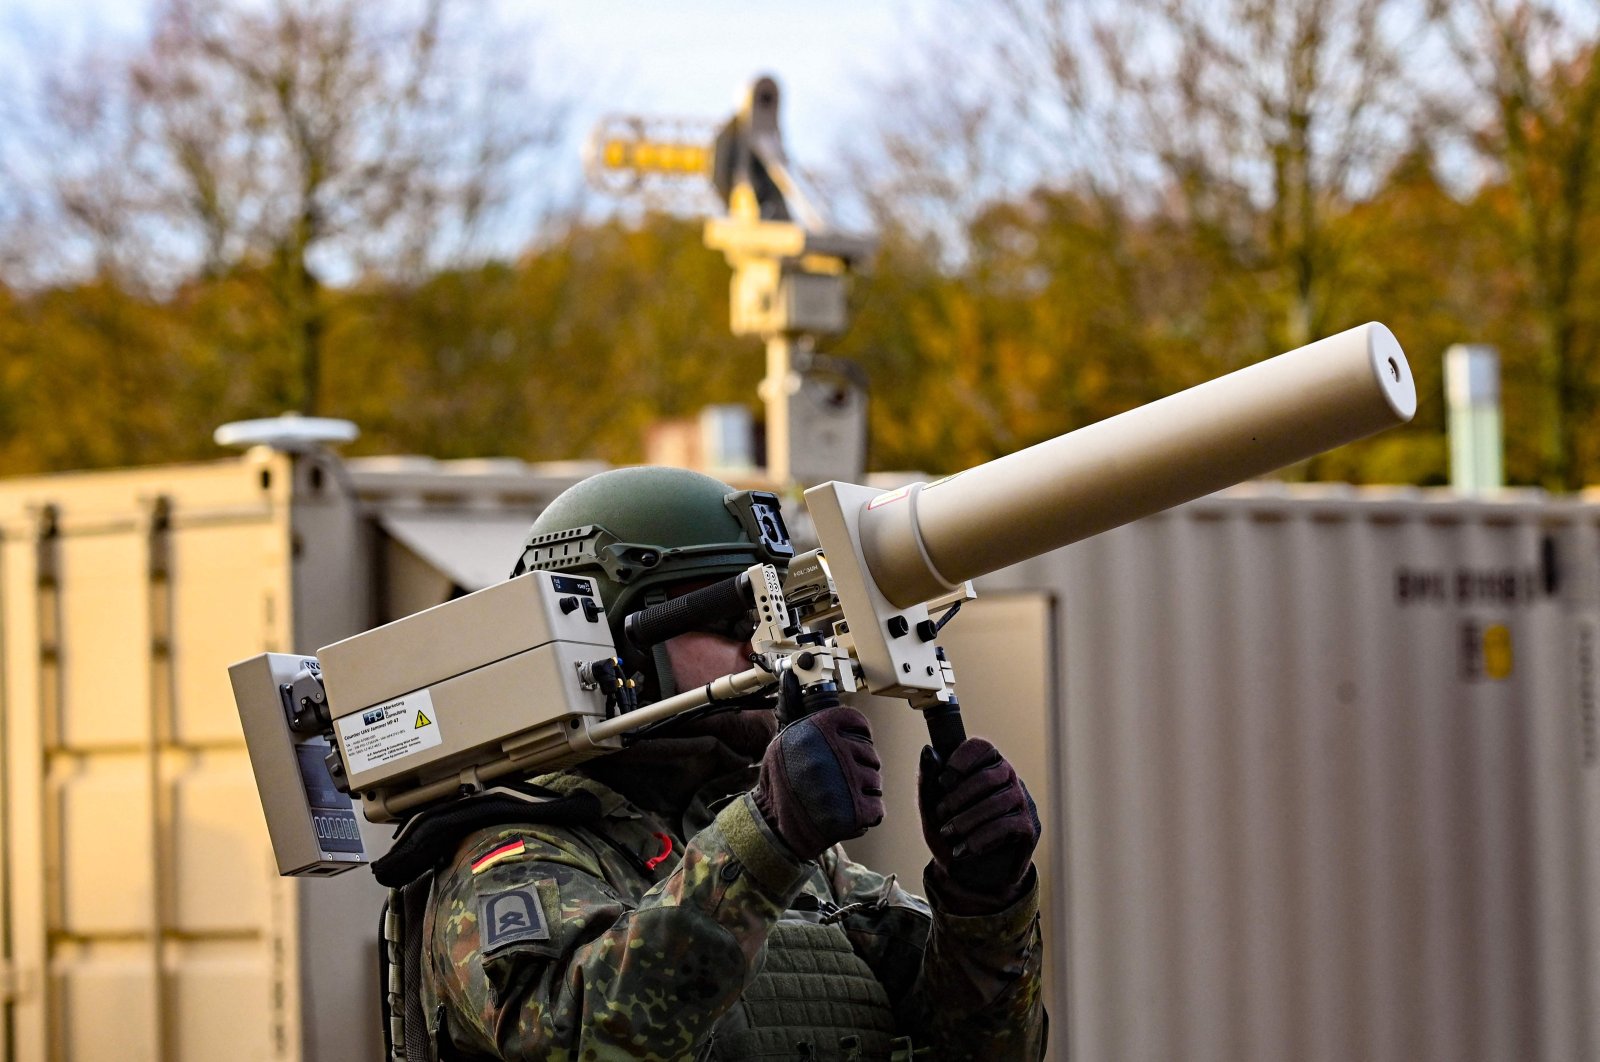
(790, 269)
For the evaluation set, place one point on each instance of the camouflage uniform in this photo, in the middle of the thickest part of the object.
(692, 956)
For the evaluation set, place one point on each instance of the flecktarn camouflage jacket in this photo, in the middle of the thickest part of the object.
(629, 940)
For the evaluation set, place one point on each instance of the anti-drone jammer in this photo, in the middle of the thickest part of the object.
(889, 552)
(1261, 418)
(522, 677)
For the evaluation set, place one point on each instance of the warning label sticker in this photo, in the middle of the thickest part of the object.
(390, 731)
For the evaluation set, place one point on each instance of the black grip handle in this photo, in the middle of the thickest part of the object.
(708, 604)
(946, 731)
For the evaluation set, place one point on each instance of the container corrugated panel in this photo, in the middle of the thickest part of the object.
(143, 909)
(1325, 780)
(142, 915)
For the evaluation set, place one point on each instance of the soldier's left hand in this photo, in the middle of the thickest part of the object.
(980, 823)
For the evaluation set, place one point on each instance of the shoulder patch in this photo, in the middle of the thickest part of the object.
(506, 851)
(509, 917)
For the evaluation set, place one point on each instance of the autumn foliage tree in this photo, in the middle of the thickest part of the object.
(1082, 206)
(1198, 185)
(286, 145)
(1531, 110)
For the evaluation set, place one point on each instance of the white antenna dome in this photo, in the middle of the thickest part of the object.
(290, 433)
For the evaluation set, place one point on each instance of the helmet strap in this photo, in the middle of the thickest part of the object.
(664, 676)
(666, 683)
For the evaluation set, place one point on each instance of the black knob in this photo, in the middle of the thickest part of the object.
(568, 604)
(898, 626)
(927, 630)
(336, 774)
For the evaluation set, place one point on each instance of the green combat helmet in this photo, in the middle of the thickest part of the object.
(640, 531)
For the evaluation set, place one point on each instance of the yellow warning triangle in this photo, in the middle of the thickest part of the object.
(421, 722)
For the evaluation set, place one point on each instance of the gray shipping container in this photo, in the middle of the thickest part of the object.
(1321, 776)
(1315, 764)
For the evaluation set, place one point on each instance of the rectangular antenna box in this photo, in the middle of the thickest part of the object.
(312, 825)
(422, 694)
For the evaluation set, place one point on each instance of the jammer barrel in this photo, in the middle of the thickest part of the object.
(921, 541)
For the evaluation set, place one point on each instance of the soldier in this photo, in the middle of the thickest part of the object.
(708, 911)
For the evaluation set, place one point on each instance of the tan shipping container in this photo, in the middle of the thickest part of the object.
(141, 916)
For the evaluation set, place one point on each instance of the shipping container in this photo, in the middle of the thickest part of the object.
(1315, 764)
(141, 916)
(1320, 771)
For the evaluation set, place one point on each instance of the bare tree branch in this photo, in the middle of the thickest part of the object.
(321, 140)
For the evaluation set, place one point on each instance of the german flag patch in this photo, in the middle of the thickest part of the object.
(499, 855)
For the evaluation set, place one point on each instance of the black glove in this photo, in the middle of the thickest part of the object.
(819, 781)
(981, 825)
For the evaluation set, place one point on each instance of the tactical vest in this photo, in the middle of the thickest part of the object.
(813, 999)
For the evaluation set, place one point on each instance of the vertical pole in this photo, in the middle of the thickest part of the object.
(777, 391)
(1472, 396)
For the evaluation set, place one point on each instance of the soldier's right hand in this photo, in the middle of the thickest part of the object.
(820, 781)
